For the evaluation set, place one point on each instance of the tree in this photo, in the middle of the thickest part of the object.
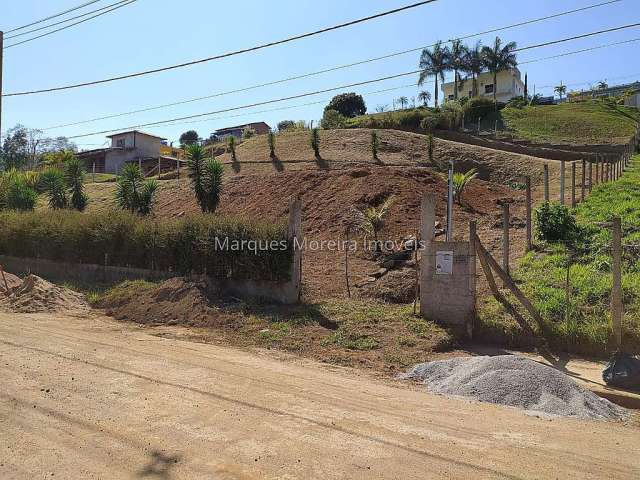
(375, 144)
(189, 137)
(53, 184)
(603, 85)
(286, 125)
(15, 148)
(498, 59)
(403, 101)
(333, 119)
(231, 147)
(74, 178)
(382, 108)
(314, 141)
(56, 159)
(560, 90)
(473, 65)
(271, 141)
(424, 97)
(348, 104)
(460, 182)
(433, 63)
(206, 178)
(455, 62)
(133, 192)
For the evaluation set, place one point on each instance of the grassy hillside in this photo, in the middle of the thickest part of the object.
(593, 122)
(582, 323)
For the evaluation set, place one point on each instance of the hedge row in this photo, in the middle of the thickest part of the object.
(186, 245)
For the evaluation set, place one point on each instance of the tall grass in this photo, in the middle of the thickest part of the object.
(124, 239)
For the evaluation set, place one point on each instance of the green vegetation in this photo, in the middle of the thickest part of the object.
(372, 220)
(460, 182)
(375, 144)
(231, 147)
(271, 141)
(52, 182)
(125, 239)
(133, 192)
(206, 176)
(593, 121)
(577, 316)
(347, 105)
(314, 141)
(74, 181)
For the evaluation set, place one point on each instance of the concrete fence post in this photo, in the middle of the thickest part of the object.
(590, 176)
(505, 236)
(546, 183)
(472, 273)
(573, 184)
(527, 183)
(583, 183)
(597, 168)
(562, 180)
(616, 291)
(294, 235)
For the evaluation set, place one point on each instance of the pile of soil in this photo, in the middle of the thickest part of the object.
(397, 286)
(177, 301)
(13, 281)
(34, 294)
(517, 382)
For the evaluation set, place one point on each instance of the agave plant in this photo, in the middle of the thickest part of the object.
(460, 182)
(213, 174)
(271, 140)
(372, 220)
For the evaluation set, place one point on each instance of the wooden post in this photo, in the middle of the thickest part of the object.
(562, 180)
(616, 291)
(546, 183)
(505, 237)
(608, 176)
(159, 167)
(590, 176)
(597, 168)
(573, 184)
(584, 180)
(527, 183)
(602, 162)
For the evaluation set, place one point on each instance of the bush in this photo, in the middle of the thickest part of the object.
(286, 125)
(20, 196)
(314, 141)
(53, 185)
(248, 133)
(556, 223)
(428, 124)
(517, 102)
(186, 245)
(74, 178)
(271, 141)
(333, 119)
(479, 107)
(133, 192)
(375, 144)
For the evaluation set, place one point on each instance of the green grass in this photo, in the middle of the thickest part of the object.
(99, 178)
(578, 123)
(581, 323)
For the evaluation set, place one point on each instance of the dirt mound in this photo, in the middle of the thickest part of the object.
(12, 280)
(34, 294)
(397, 286)
(517, 382)
(177, 301)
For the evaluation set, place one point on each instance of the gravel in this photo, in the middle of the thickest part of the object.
(517, 382)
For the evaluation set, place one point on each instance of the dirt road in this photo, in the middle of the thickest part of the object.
(92, 398)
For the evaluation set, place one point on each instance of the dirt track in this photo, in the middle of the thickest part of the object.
(93, 398)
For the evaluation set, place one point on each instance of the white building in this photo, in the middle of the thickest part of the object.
(510, 85)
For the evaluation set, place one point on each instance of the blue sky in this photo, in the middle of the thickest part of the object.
(154, 33)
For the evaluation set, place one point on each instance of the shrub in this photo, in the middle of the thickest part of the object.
(430, 145)
(479, 107)
(429, 123)
(314, 141)
(53, 185)
(333, 119)
(20, 196)
(375, 143)
(206, 178)
(556, 223)
(517, 102)
(271, 141)
(231, 147)
(248, 133)
(460, 182)
(185, 245)
(133, 192)
(213, 174)
(286, 125)
(347, 104)
(74, 178)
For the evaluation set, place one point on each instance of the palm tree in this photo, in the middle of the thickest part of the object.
(403, 101)
(473, 64)
(455, 58)
(433, 63)
(498, 59)
(460, 182)
(560, 90)
(603, 85)
(424, 97)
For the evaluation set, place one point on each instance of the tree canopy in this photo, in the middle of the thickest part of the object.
(190, 137)
(348, 104)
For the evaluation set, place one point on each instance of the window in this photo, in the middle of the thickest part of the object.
(120, 143)
(488, 88)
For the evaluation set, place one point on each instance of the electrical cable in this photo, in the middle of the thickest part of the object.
(53, 16)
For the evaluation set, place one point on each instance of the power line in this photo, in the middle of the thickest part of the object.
(200, 115)
(257, 104)
(319, 72)
(63, 21)
(53, 16)
(229, 54)
(582, 50)
(128, 2)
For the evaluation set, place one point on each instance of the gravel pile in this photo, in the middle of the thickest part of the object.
(517, 382)
(34, 294)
